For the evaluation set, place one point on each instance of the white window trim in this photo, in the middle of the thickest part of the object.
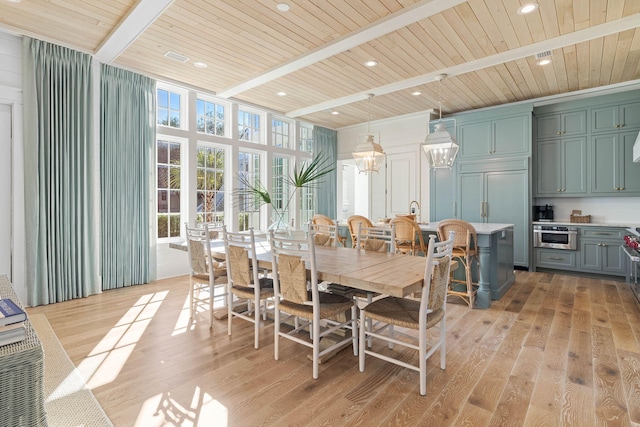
(184, 105)
(184, 202)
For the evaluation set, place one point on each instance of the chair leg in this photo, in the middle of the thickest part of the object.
(191, 310)
(316, 347)
(422, 351)
(354, 328)
(229, 310)
(256, 326)
(276, 332)
(390, 335)
(363, 340)
(443, 343)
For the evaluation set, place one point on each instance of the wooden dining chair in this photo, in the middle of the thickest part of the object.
(325, 220)
(408, 236)
(353, 222)
(324, 234)
(294, 261)
(206, 274)
(428, 312)
(244, 284)
(465, 250)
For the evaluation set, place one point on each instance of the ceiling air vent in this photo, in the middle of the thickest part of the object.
(176, 56)
(543, 55)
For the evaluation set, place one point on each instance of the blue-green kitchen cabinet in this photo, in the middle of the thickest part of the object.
(495, 138)
(570, 123)
(498, 193)
(613, 171)
(561, 167)
(615, 117)
(442, 192)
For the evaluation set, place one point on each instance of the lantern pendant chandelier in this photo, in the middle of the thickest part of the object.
(439, 146)
(368, 155)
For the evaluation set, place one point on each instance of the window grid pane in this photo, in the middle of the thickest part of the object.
(281, 191)
(168, 188)
(168, 108)
(280, 133)
(210, 184)
(248, 126)
(249, 213)
(210, 118)
(306, 139)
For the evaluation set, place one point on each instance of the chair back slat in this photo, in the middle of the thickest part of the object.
(323, 234)
(239, 265)
(292, 275)
(354, 222)
(242, 265)
(376, 239)
(436, 276)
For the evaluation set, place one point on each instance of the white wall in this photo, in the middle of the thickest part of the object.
(603, 210)
(11, 95)
(398, 135)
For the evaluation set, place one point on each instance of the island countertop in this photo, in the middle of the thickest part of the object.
(481, 227)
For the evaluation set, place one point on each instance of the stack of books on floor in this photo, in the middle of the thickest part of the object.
(12, 319)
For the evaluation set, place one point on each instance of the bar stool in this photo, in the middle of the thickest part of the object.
(465, 250)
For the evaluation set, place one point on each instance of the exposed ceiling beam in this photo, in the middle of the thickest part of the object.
(130, 28)
(388, 24)
(580, 36)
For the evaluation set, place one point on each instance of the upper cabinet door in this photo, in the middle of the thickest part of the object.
(475, 139)
(562, 124)
(511, 135)
(615, 117)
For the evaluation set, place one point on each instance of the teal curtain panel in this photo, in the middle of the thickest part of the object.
(127, 160)
(61, 244)
(326, 143)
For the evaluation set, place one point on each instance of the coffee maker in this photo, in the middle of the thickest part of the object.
(543, 213)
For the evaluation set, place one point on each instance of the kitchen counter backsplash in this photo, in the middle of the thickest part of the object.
(605, 211)
(588, 224)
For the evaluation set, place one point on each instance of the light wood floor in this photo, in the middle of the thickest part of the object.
(556, 350)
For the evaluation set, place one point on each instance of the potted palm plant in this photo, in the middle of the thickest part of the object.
(306, 176)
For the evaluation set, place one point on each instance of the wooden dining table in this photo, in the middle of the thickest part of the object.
(386, 273)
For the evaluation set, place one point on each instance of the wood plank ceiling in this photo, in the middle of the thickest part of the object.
(315, 51)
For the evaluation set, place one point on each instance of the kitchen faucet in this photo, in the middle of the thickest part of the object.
(412, 210)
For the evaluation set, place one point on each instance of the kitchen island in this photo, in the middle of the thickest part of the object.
(495, 252)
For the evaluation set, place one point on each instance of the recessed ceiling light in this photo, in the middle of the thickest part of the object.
(416, 93)
(335, 113)
(544, 61)
(199, 64)
(281, 93)
(371, 63)
(283, 7)
(527, 8)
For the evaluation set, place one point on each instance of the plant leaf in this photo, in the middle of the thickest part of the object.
(308, 174)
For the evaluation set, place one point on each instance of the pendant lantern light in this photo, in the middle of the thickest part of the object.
(439, 146)
(368, 154)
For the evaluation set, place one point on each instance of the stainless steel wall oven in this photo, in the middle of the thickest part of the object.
(555, 237)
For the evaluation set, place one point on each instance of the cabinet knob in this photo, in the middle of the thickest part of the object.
(558, 133)
(558, 190)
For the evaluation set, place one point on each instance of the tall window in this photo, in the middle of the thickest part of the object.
(249, 212)
(168, 188)
(281, 190)
(210, 117)
(248, 126)
(306, 138)
(280, 133)
(168, 108)
(210, 184)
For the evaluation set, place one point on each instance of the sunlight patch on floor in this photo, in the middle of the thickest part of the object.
(164, 409)
(108, 357)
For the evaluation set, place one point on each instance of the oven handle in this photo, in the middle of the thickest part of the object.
(555, 232)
